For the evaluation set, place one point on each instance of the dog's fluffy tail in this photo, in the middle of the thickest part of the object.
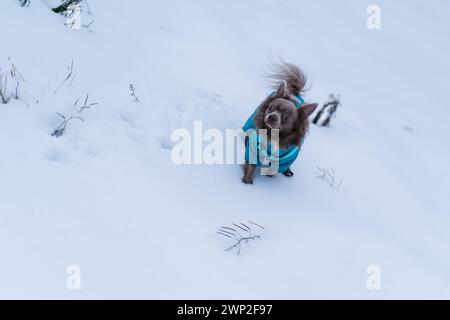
(295, 78)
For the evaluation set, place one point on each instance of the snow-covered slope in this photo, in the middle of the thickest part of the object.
(106, 196)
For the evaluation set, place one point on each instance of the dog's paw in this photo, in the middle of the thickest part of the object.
(288, 173)
(247, 181)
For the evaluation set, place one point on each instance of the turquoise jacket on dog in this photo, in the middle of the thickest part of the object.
(256, 147)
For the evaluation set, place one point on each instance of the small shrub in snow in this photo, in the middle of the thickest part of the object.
(16, 78)
(59, 131)
(328, 110)
(240, 234)
(67, 6)
(72, 10)
(329, 176)
(24, 3)
(61, 128)
(133, 93)
(86, 104)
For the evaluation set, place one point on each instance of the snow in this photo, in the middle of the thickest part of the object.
(105, 196)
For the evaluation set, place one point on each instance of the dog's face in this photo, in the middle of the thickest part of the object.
(282, 114)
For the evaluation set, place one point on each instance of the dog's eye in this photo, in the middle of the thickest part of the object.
(269, 109)
(285, 119)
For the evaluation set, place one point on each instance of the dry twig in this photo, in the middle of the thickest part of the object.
(239, 233)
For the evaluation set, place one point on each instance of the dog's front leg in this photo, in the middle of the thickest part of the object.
(288, 173)
(249, 170)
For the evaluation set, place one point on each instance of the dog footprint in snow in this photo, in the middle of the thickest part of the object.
(128, 118)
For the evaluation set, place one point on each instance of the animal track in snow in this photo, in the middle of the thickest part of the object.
(128, 118)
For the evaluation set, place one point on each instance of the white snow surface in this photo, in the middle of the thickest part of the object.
(106, 196)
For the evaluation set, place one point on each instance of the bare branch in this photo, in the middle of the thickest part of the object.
(224, 234)
(86, 104)
(133, 93)
(3, 88)
(61, 128)
(329, 176)
(257, 225)
(69, 76)
(239, 239)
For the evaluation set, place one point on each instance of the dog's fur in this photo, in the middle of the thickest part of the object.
(279, 112)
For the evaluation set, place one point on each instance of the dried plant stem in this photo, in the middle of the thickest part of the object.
(236, 234)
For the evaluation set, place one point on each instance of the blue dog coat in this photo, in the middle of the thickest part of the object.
(256, 147)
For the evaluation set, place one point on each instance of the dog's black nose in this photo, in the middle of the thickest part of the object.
(272, 117)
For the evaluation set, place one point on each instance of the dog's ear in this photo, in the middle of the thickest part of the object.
(309, 108)
(282, 90)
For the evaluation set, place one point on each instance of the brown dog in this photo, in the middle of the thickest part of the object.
(284, 111)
